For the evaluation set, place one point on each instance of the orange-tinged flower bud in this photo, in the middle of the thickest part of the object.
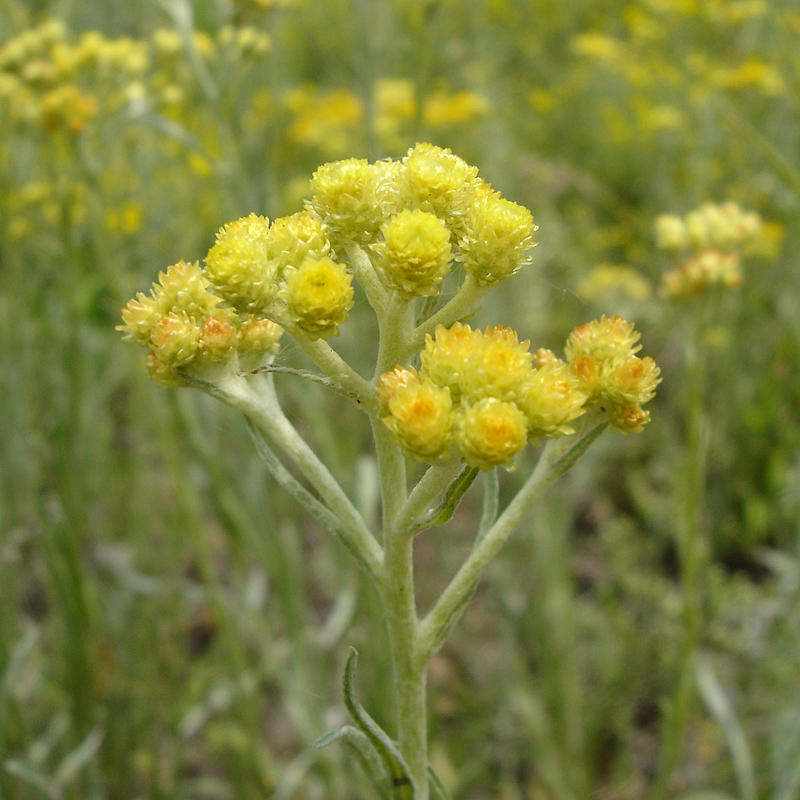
(218, 338)
(629, 419)
(491, 433)
(499, 366)
(552, 398)
(420, 416)
(606, 339)
(630, 382)
(175, 339)
(446, 356)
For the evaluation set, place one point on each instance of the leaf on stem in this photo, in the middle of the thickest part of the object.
(322, 380)
(362, 749)
(387, 749)
(451, 499)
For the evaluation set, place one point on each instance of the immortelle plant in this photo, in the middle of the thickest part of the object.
(461, 401)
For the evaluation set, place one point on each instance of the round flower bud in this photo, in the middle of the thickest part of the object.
(345, 197)
(551, 400)
(544, 356)
(629, 419)
(415, 253)
(446, 356)
(160, 372)
(239, 266)
(630, 382)
(218, 339)
(670, 233)
(420, 416)
(257, 342)
(586, 370)
(293, 239)
(175, 339)
(435, 180)
(491, 433)
(606, 339)
(318, 295)
(393, 380)
(499, 365)
(497, 238)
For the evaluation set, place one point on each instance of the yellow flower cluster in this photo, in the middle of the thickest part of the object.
(420, 213)
(710, 239)
(188, 329)
(482, 395)
(282, 271)
(50, 76)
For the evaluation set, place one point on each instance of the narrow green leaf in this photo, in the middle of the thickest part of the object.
(314, 377)
(363, 751)
(451, 499)
(387, 749)
(567, 461)
(720, 707)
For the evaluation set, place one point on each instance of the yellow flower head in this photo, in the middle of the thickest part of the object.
(497, 238)
(708, 268)
(605, 340)
(318, 295)
(238, 264)
(293, 239)
(551, 399)
(602, 356)
(447, 355)
(419, 414)
(175, 339)
(345, 196)
(393, 380)
(631, 381)
(218, 339)
(415, 253)
(499, 365)
(258, 342)
(671, 233)
(182, 288)
(491, 433)
(435, 180)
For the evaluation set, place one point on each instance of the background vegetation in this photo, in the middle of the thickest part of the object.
(171, 626)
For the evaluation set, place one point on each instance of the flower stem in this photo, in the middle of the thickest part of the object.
(692, 553)
(558, 456)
